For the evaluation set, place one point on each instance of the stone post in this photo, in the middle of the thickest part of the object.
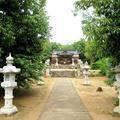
(79, 67)
(73, 61)
(117, 85)
(56, 61)
(9, 84)
(41, 78)
(47, 72)
(86, 73)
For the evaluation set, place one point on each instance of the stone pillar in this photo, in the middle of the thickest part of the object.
(86, 73)
(9, 84)
(56, 61)
(73, 61)
(47, 72)
(79, 68)
(117, 85)
(81, 64)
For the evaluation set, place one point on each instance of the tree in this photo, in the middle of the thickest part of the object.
(80, 47)
(67, 47)
(23, 29)
(91, 51)
(48, 48)
(103, 25)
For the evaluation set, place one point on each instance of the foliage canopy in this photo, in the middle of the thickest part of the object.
(103, 25)
(23, 29)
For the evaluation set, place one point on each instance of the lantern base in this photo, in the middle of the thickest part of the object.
(40, 83)
(86, 82)
(8, 111)
(117, 110)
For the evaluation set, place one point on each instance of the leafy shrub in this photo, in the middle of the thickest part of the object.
(111, 77)
(105, 65)
(102, 64)
(116, 101)
(30, 69)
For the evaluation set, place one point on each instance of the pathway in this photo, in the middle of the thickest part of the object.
(64, 103)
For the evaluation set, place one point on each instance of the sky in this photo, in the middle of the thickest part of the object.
(66, 28)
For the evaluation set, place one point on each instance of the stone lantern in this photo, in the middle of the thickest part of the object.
(117, 85)
(9, 84)
(85, 69)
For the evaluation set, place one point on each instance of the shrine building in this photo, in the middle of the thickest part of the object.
(65, 57)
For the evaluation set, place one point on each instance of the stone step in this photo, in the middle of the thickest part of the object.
(63, 72)
(62, 67)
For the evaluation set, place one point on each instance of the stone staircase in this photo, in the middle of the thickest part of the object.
(62, 67)
(63, 71)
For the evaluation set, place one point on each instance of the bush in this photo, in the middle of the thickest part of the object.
(102, 64)
(105, 65)
(30, 69)
(116, 101)
(111, 77)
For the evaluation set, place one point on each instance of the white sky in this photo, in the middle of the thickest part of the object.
(66, 28)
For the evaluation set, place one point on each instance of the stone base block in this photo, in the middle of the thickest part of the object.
(86, 82)
(40, 83)
(117, 110)
(8, 111)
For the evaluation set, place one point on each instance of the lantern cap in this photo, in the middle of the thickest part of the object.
(9, 59)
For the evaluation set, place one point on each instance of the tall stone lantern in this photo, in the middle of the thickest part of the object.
(9, 84)
(85, 69)
(117, 85)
